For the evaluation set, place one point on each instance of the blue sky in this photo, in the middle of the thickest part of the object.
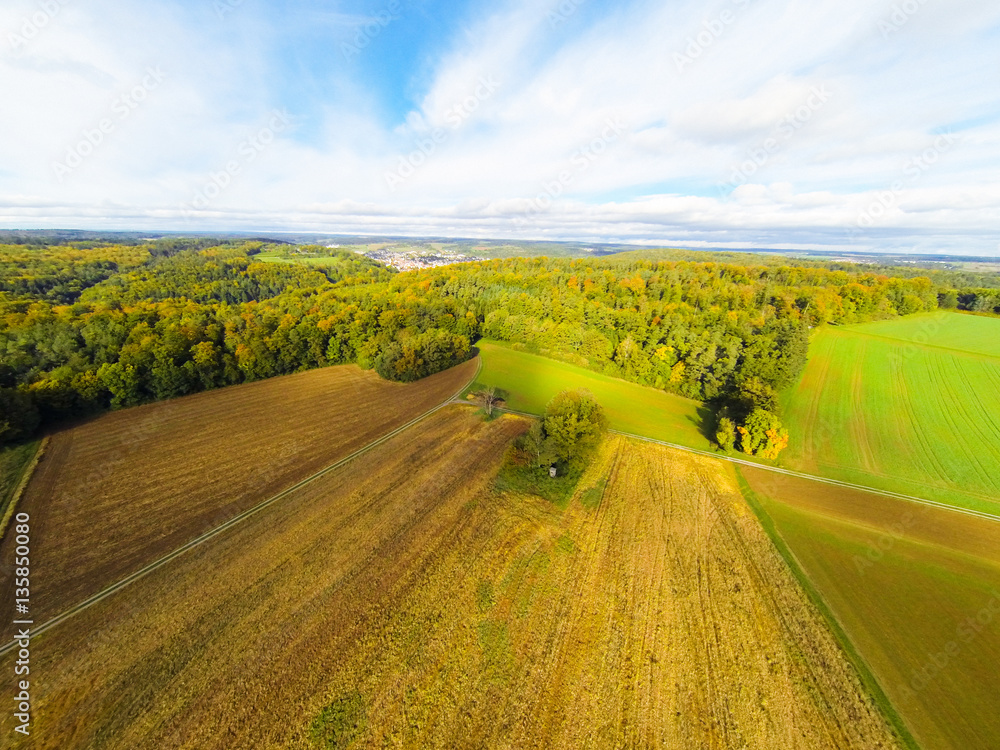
(853, 124)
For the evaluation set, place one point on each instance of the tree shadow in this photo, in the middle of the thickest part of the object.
(705, 422)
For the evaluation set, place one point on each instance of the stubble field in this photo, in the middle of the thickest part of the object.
(401, 602)
(118, 492)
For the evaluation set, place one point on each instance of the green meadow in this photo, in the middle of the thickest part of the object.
(909, 405)
(530, 381)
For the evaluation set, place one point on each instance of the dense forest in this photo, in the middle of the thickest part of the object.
(84, 329)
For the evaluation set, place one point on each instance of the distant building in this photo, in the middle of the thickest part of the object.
(552, 471)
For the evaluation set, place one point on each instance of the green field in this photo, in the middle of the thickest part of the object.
(281, 256)
(916, 590)
(531, 380)
(910, 405)
(13, 461)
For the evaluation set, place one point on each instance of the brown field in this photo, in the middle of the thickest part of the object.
(904, 581)
(401, 602)
(120, 491)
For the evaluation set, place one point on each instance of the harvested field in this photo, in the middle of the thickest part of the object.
(916, 589)
(122, 490)
(401, 602)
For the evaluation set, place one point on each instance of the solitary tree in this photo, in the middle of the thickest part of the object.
(489, 398)
(573, 425)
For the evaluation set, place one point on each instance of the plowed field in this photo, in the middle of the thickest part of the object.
(122, 490)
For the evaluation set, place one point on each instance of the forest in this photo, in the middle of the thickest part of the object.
(91, 326)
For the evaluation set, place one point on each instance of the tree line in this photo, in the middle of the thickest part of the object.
(86, 329)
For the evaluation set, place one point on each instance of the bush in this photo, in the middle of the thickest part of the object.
(762, 435)
(725, 434)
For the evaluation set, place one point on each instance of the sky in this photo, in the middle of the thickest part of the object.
(858, 124)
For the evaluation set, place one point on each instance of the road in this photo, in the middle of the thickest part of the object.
(787, 472)
(132, 578)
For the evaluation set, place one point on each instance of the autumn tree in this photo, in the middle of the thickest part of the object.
(572, 426)
(762, 435)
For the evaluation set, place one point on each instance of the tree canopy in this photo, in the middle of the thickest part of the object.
(97, 326)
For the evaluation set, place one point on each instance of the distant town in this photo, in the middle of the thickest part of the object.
(412, 259)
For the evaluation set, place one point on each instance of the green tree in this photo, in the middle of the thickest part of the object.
(725, 434)
(573, 425)
(18, 415)
(762, 435)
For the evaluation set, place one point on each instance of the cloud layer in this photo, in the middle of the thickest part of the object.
(744, 123)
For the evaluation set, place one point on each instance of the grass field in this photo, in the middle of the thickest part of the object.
(911, 405)
(279, 256)
(13, 461)
(531, 380)
(402, 602)
(904, 580)
(120, 491)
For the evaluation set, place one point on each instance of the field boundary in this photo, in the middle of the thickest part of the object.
(779, 470)
(235, 520)
(22, 484)
(865, 673)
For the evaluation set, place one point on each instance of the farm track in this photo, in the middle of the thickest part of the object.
(465, 618)
(83, 575)
(797, 474)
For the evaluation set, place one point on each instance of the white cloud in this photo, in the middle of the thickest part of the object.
(692, 161)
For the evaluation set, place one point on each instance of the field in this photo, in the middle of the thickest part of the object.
(122, 490)
(911, 405)
(14, 459)
(532, 380)
(916, 589)
(400, 601)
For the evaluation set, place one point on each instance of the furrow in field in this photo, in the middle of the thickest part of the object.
(453, 615)
(118, 492)
(970, 471)
(981, 417)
